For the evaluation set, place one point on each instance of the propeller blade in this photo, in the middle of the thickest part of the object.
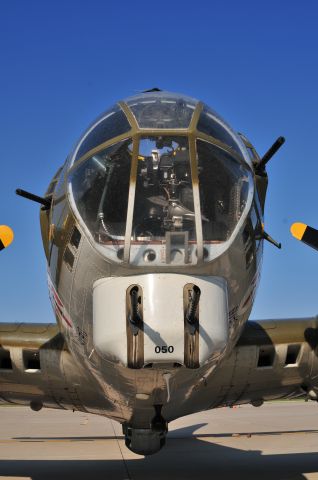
(305, 234)
(6, 236)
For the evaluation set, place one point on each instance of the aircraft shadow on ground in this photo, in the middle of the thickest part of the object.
(186, 456)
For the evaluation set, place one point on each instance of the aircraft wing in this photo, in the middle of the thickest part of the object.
(272, 359)
(36, 369)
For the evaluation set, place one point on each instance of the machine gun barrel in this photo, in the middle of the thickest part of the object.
(193, 303)
(270, 153)
(35, 198)
(135, 318)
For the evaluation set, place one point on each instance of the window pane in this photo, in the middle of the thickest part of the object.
(162, 110)
(114, 123)
(224, 186)
(164, 211)
(208, 124)
(100, 191)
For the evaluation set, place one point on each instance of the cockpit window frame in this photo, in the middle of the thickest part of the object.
(136, 133)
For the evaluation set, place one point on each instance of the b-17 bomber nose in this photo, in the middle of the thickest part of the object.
(160, 180)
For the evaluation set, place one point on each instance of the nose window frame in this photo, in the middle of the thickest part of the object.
(193, 135)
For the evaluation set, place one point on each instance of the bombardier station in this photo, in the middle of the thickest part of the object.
(159, 180)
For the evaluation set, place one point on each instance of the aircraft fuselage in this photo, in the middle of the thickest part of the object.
(154, 250)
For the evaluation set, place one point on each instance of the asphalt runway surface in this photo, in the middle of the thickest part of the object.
(277, 441)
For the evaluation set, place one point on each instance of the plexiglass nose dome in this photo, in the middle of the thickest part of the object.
(160, 179)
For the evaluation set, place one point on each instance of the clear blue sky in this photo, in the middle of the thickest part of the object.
(64, 62)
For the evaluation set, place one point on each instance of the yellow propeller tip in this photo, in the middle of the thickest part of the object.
(6, 236)
(298, 229)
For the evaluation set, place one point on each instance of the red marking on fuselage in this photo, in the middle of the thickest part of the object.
(62, 316)
(57, 299)
(57, 305)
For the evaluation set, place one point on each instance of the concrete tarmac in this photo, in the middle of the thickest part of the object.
(278, 441)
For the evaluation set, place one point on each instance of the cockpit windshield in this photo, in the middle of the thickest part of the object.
(155, 197)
